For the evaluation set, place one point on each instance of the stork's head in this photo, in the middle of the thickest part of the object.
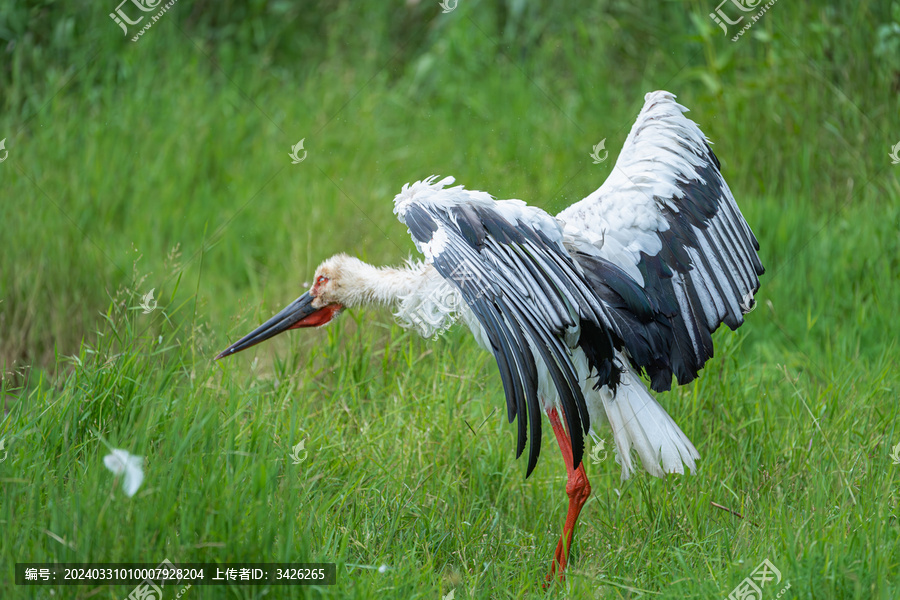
(331, 290)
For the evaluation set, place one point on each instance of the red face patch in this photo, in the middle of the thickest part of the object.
(320, 280)
(318, 318)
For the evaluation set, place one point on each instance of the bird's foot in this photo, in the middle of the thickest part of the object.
(560, 558)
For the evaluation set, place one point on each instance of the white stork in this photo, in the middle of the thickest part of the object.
(630, 281)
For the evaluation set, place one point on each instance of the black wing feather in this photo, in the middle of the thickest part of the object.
(707, 264)
(524, 289)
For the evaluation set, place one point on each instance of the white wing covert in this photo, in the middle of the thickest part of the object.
(667, 218)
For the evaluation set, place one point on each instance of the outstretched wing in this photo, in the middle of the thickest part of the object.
(666, 217)
(532, 300)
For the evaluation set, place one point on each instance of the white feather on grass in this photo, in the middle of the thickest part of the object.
(121, 462)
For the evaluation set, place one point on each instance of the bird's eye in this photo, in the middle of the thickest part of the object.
(321, 279)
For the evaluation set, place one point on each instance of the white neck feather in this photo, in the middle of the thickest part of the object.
(362, 284)
(421, 298)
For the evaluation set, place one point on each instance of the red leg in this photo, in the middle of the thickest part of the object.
(577, 488)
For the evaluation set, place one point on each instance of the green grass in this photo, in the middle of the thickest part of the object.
(164, 165)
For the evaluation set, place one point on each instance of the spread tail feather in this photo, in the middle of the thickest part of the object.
(638, 422)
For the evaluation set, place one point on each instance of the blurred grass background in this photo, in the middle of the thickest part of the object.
(163, 164)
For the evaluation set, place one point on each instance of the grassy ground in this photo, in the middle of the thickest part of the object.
(164, 165)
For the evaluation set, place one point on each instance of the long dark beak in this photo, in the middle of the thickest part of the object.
(291, 316)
